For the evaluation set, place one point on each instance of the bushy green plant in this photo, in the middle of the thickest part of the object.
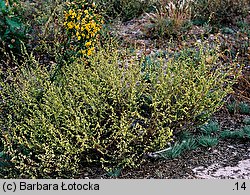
(219, 11)
(246, 121)
(174, 152)
(235, 134)
(87, 115)
(12, 29)
(210, 127)
(207, 141)
(178, 148)
(47, 38)
(246, 130)
(106, 113)
(244, 108)
(231, 107)
(187, 79)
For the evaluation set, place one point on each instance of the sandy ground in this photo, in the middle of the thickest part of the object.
(216, 171)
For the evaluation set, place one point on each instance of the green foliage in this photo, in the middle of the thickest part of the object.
(106, 113)
(219, 11)
(190, 144)
(48, 39)
(189, 79)
(244, 108)
(179, 148)
(244, 28)
(87, 115)
(114, 173)
(184, 135)
(231, 107)
(207, 141)
(246, 121)
(12, 29)
(246, 130)
(175, 151)
(237, 134)
(210, 128)
(241, 107)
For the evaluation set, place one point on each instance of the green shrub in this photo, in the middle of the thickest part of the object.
(219, 11)
(12, 29)
(87, 115)
(188, 87)
(108, 113)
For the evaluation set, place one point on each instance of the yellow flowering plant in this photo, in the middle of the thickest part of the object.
(82, 25)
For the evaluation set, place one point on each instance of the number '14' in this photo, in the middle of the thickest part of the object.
(240, 186)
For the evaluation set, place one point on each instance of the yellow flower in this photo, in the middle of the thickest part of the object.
(66, 15)
(83, 21)
(77, 26)
(82, 51)
(93, 24)
(71, 25)
(70, 12)
(84, 26)
(87, 16)
(87, 27)
(73, 15)
(86, 12)
(79, 16)
(87, 44)
(90, 51)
